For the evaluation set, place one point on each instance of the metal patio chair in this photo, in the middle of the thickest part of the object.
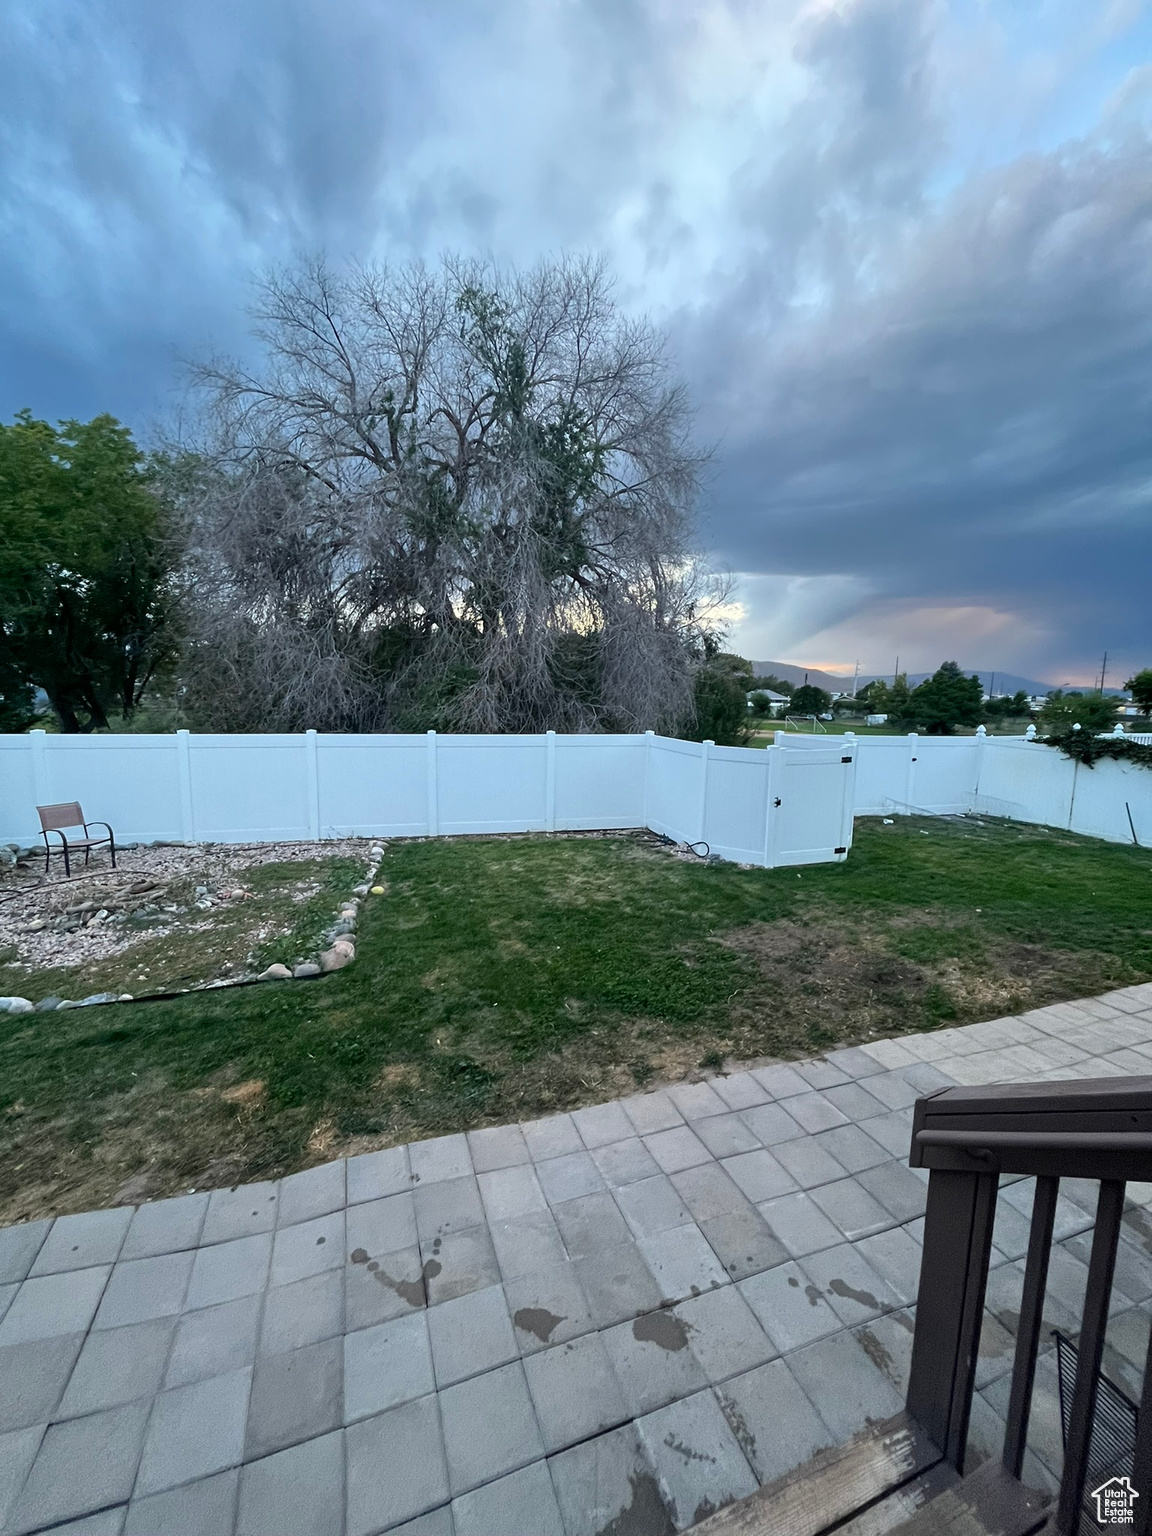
(57, 818)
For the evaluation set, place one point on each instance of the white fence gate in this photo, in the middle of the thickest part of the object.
(780, 806)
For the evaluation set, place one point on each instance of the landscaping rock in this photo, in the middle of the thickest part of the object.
(67, 1003)
(99, 997)
(275, 972)
(347, 946)
(335, 959)
(48, 1004)
(15, 1005)
(308, 969)
(344, 925)
(360, 890)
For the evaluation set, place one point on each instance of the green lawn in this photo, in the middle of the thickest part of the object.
(499, 979)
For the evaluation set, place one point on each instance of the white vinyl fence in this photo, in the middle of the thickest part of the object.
(780, 806)
(999, 776)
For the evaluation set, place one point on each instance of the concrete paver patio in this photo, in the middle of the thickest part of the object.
(613, 1320)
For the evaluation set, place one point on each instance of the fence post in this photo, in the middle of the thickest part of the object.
(433, 792)
(312, 769)
(774, 761)
(705, 747)
(910, 774)
(981, 747)
(39, 767)
(550, 783)
(649, 738)
(184, 771)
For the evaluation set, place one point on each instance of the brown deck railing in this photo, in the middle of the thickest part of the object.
(968, 1137)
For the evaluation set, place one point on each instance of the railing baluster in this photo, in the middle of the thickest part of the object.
(1031, 1317)
(1142, 1460)
(1109, 1209)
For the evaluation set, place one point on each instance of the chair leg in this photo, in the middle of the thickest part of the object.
(67, 864)
(112, 849)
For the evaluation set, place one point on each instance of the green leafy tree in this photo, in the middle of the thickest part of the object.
(945, 700)
(810, 700)
(721, 697)
(1008, 708)
(86, 587)
(1092, 712)
(1141, 687)
(762, 705)
(880, 698)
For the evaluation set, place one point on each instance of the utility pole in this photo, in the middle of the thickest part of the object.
(992, 687)
(1103, 670)
(896, 674)
(855, 679)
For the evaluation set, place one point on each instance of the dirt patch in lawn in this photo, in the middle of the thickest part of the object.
(822, 979)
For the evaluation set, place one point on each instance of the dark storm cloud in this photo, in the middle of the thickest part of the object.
(921, 345)
(978, 426)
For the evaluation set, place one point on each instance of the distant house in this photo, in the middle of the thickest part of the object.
(775, 699)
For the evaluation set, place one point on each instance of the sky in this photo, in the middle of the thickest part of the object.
(901, 249)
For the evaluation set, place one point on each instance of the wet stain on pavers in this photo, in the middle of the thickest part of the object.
(813, 1292)
(737, 1423)
(411, 1291)
(686, 1451)
(538, 1321)
(880, 1357)
(843, 1289)
(645, 1514)
(662, 1328)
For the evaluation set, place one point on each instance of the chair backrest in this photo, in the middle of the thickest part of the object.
(52, 817)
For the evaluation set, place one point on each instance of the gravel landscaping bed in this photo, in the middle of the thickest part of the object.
(185, 894)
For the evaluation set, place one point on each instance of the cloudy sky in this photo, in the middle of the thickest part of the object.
(902, 249)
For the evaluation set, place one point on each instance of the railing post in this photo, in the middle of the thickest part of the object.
(433, 788)
(184, 773)
(953, 1277)
(550, 783)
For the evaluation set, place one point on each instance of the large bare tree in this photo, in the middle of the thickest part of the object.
(457, 498)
